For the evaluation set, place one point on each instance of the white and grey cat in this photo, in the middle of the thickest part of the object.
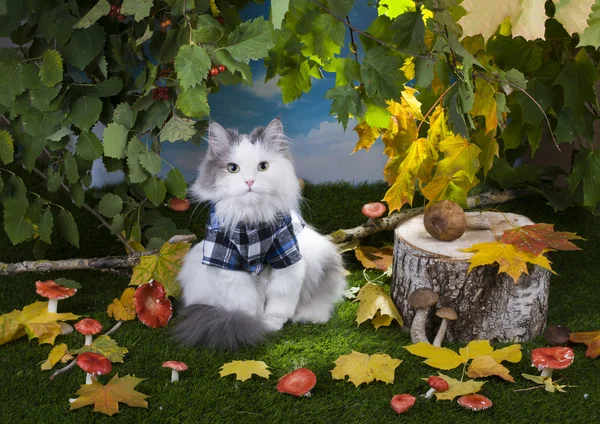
(250, 181)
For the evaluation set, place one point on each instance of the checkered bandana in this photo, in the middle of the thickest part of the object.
(252, 248)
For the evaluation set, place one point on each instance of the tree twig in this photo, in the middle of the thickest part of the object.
(434, 105)
(354, 46)
(391, 221)
(64, 369)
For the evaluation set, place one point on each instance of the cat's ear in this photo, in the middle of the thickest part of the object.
(273, 136)
(218, 138)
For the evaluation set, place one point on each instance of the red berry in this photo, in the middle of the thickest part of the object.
(166, 97)
(221, 68)
(121, 17)
(118, 10)
(113, 7)
(214, 72)
(163, 24)
(221, 20)
(168, 22)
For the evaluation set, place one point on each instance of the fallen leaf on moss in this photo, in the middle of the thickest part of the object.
(55, 356)
(123, 309)
(485, 366)
(458, 388)
(374, 257)
(106, 347)
(243, 370)
(376, 305)
(363, 368)
(106, 399)
(591, 339)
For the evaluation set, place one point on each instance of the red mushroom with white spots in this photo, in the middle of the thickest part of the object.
(175, 366)
(93, 364)
(475, 402)
(297, 383)
(437, 384)
(402, 403)
(53, 292)
(88, 327)
(152, 305)
(548, 359)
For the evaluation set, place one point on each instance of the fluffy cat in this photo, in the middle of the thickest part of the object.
(252, 188)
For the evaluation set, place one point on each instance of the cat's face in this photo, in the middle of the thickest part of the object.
(249, 177)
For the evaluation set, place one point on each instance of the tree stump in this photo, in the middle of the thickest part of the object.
(489, 306)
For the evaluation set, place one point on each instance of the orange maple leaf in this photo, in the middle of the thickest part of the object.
(106, 398)
(374, 257)
(591, 339)
(535, 238)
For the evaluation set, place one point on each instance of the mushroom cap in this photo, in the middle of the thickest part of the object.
(175, 365)
(557, 335)
(152, 305)
(94, 363)
(178, 204)
(297, 383)
(50, 290)
(423, 298)
(438, 384)
(402, 403)
(88, 326)
(373, 210)
(445, 220)
(475, 402)
(556, 357)
(446, 312)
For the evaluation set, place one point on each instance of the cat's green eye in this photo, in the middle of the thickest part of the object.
(233, 168)
(263, 166)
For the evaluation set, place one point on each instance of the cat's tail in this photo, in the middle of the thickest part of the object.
(218, 328)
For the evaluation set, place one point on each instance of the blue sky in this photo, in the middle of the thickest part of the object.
(321, 148)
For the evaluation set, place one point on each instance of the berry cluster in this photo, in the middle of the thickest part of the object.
(217, 70)
(115, 12)
(160, 93)
(165, 25)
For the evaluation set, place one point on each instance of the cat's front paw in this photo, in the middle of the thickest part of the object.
(273, 322)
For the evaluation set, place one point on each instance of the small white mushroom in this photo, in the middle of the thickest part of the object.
(422, 299)
(446, 314)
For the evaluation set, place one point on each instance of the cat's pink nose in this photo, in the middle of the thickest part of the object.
(249, 182)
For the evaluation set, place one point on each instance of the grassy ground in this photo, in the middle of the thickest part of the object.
(28, 396)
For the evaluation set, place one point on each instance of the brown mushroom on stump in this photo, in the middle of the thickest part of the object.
(175, 366)
(446, 313)
(436, 384)
(297, 383)
(402, 403)
(422, 299)
(548, 359)
(88, 327)
(557, 335)
(475, 402)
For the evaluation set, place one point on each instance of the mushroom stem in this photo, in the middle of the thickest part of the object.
(88, 378)
(417, 329)
(88, 339)
(174, 375)
(115, 328)
(52, 305)
(439, 337)
(429, 393)
(546, 372)
(478, 222)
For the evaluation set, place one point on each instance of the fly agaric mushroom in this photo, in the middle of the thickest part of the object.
(446, 313)
(297, 383)
(548, 359)
(437, 384)
(175, 366)
(402, 403)
(557, 335)
(93, 364)
(53, 292)
(88, 327)
(373, 210)
(152, 305)
(422, 299)
(179, 205)
(475, 402)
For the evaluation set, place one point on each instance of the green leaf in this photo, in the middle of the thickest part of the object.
(88, 146)
(72, 284)
(77, 194)
(151, 162)
(110, 205)
(136, 173)
(193, 102)
(591, 35)
(208, 30)
(45, 227)
(409, 32)
(85, 112)
(17, 227)
(123, 115)
(192, 65)
(155, 190)
(157, 113)
(84, 45)
(11, 84)
(70, 168)
(57, 24)
(340, 7)
(30, 75)
(115, 141)
(577, 79)
(68, 227)
(139, 8)
(100, 9)
(118, 224)
(250, 40)
(294, 82)
(110, 87)
(544, 97)
(42, 99)
(147, 35)
(54, 180)
(393, 8)
(177, 128)
(346, 101)
(51, 68)
(424, 72)
(224, 58)
(278, 10)
(327, 36)
(175, 183)
(381, 74)
(346, 70)
(570, 125)
(586, 168)
(6, 147)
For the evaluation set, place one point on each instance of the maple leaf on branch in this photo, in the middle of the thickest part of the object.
(363, 368)
(537, 238)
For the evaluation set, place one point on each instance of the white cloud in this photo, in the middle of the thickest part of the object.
(325, 154)
(265, 90)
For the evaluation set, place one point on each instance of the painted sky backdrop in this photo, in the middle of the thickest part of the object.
(322, 149)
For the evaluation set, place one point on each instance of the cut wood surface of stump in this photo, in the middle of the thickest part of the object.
(489, 305)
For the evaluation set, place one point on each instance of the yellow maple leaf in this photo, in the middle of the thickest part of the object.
(55, 355)
(10, 329)
(123, 309)
(374, 257)
(489, 148)
(485, 366)
(408, 67)
(438, 128)
(510, 353)
(376, 305)
(511, 259)
(484, 104)
(410, 101)
(394, 8)
(106, 399)
(106, 347)
(243, 370)
(366, 136)
(458, 388)
(162, 267)
(453, 188)
(362, 368)
(459, 155)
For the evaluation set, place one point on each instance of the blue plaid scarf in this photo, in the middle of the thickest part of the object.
(252, 248)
